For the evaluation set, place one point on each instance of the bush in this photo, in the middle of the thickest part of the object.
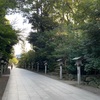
(92, 81)
(72, 69)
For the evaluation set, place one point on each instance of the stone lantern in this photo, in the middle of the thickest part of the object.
(25, 65)
(32, 64)
(60, 63)
(45, 64)
(37, 66)
(5, 66)
(1, 67)
(78, 63)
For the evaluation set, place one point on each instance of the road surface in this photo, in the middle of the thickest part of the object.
(27, 85)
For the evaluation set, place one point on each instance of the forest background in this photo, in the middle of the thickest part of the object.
(64, 29)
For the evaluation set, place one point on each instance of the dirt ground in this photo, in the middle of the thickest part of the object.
(3, 82)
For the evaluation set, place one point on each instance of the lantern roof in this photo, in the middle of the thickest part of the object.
(77, 58)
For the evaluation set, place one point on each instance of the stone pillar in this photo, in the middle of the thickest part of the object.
(37, 67)
(32, 65)
(28, 65)
(60, 63)
(25, 65)
(60, 71)
(78, 64)
(78, 74)
(45, 64)
(1, 70)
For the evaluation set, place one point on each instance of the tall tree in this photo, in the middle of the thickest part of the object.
(87, 19)
(8, 36)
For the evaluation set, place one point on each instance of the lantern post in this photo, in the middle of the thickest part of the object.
(37, 66)
(60, 65)
(78, 63)
(45, 64)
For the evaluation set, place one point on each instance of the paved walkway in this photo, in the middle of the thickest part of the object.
(26, 85)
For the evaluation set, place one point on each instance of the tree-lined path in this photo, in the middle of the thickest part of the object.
(26, 85)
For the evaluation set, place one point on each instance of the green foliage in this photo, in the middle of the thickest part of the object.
(61, 42)
(8, 36)
(66, 29)
(72, 69)
(90, 28)
(43, 45)
(26, 58)
(14, 60)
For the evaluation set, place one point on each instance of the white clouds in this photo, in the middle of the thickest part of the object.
(20, 23)
(18, 49)
(28, 46)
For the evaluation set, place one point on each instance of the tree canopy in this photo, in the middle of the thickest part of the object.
(8, 35)
(65, 29)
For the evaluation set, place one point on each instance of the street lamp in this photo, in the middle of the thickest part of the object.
(78, 64)
(60, 65)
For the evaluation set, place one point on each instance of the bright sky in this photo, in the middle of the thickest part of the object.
(21, 23)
